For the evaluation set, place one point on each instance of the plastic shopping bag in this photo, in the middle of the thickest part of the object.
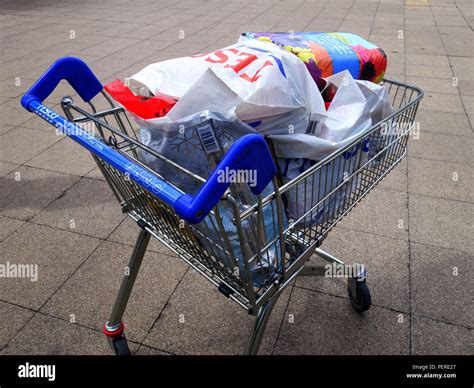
(196, 142)
(355, 107)
(254, 81)
(302, 199)
(378, 100)
(348, 115)
(380, 106)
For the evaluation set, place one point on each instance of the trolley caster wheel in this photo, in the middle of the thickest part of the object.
(120, 346)
(359, 295)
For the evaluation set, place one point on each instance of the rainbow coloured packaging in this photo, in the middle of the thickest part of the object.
(328, 53)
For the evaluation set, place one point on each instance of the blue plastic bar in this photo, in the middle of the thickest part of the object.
(73, 70)
(249, 154)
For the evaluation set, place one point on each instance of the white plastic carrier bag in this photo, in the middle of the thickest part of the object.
(355, 108)
(255, 81)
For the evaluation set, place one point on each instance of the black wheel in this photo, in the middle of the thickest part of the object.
(120, 346)
(359, 295)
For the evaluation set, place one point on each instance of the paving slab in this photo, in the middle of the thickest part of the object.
(468, 102)
(34, 122)
(25, 191)
(386, 260)
(317, 323)
(427, 37)
(427, 84)
(442, 223)
(441, 179)
(427, 60)
(397, 58)
(89, 207)
(453, 31)
(65, 156)
(389, 43)
(127, 232)
(450, 20)
(420, 25)
(324, 24)
(385, 31)
(434, 47)
(141, 50)
(387, 21)
(95, 173)
(442, 123)
(442, 102)
(35, 245)
(200, 320)
(22, 144)
(463, 67)
(432, 337)
(105, 67)
(442, 147)
(84, 38)
(12, 320)
(10, 53)
(6, 168)
(449, 10)
(4, 128)
(383, 212)
(45, 335)
(102, 275)
(457, 46)
(466, 87)
(449, 297)
(141, 31)
(109, 46)
(29, 67)
(471, 120)
(395, 68)
(413, 11)
(396, 179)
(50, 35)
(433, 70)
(8, 226)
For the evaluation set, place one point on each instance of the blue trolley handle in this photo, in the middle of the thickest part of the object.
(250, 153)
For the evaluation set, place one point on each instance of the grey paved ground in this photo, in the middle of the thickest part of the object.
(420, 305)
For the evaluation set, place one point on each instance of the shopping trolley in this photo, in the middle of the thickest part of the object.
(192, 225)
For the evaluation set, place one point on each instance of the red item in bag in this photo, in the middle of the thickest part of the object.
(144, 107)
(329, 92)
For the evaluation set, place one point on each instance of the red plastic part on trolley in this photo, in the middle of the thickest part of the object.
(144, 107)
(114, 333)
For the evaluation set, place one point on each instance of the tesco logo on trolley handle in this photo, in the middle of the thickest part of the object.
(47, 113)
